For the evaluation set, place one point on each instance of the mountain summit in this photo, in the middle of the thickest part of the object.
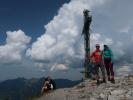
(88, 90)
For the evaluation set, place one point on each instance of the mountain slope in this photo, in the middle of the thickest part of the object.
(21, 89)
(88, 90)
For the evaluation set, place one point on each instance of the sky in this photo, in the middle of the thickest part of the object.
(40, 38)
(27, 15)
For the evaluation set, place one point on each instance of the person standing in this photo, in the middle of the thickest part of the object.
(96, 57)
(108, 62)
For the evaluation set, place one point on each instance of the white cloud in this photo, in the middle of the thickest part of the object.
(62, 41)
(132, 38)
(108, 41)
(114, 16)
(16, 43)
(40, 65)
(119, 50)
(57, 67)
(62, 32)
(124, 70)
(97, 38)
(125, 29)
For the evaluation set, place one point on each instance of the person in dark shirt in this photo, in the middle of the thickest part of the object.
(108, 62)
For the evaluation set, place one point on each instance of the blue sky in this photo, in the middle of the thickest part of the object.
(28, 15)
(40, 38)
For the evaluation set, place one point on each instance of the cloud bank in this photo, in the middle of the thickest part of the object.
(61, 47)
(16, 43)
(124, 70)
(62, 42)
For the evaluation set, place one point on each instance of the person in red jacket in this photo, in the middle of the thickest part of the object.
(97, 60)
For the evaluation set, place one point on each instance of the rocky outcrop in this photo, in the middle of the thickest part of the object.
(88, 90)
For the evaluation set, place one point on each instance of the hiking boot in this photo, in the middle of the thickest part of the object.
(112, 81)
(104, 81)
(98, 82)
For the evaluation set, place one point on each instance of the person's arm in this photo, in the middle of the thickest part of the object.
(92, 57)
(111, 55)
(53, 83)
(102, 53)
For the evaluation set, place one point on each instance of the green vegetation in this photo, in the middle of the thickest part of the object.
(37, 95)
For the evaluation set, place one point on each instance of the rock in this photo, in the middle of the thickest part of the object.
(112, 97)
(81, 85)
(130, 77)
(82, 96)
(118, 92)
(92, 98)
(81, 90)
(130, 92)
(88, 90)
(130, 98)
(102, 96)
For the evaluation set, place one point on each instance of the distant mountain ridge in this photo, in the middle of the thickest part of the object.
(21, 88)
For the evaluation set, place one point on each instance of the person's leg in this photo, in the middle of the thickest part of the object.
(106, 64)
(93, 72)
(112, 72)
(45, 89)
(96, 67)
(103, 72)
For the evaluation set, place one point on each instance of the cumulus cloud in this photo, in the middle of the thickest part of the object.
(114, 20)
(125, 29)
(62, 42)
(16, 43)
(57, 67)
(124, 70)
(40, 65)
(101, 39)
(116, 16)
